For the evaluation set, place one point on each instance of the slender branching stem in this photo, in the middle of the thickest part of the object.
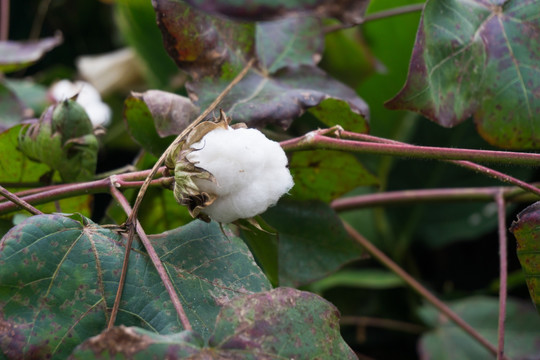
(465, 164)
(390, 324)
(510, 194)
(503, 271)
(18, 202)
(377, 16)
(154, 257)
(120, 198)
(4, 20)
(57, 192)
(419, 288)
(314, 140)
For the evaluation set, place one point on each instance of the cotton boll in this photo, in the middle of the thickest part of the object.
(250, 172)
(87, 96)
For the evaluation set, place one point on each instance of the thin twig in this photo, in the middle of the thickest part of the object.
(157, 263)
(58, 192)
(499, 198)
(180, 137)
(389, 324)
(419, 288)
(430, 195)
(316, 141)
(39, 18)
(4, 20)
(465, 164)
(377, 16)
(118, 196)
(19, 202)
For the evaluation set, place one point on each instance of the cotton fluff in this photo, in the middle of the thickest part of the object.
(250, 172)
(88, 97)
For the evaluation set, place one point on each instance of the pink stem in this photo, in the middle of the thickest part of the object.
(4, 20)
(503, 271)
(156, 261)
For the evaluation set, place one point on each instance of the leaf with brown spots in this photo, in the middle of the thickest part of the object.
(478, 58)
(284, 83)
(58, 280)
(282, 323)
(526, 229)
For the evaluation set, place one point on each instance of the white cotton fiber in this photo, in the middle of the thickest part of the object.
(88, 97)
(250, 171)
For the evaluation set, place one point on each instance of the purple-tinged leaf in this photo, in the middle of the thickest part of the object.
(526, 229)
(16, 55)
(478, 58)
(289, 42)
(259, 100)
(282, 323)
(58, 280)
(447, 341)
(348, 11)
(278, 324)
(203, 45)
(285, 82)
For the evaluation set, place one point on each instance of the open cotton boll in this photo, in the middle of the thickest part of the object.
(88, 97)
(250, 172)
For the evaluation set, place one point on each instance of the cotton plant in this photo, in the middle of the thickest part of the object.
(226, 173)
(87, 96)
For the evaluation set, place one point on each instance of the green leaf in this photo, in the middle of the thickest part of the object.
(16, 55)
(361, 278)
(282, 323)
(347, 11)
(58, 279)
(447, 341)
(312, 242)
(279, 324)
(526, 229)
(11, 108)
(136, 21)
(332, 111)
(16, 168)
(348, 57)
(289, 42)
(326, 174)
(285, 84)
(475, 58)
(141, 126)
(32, 94)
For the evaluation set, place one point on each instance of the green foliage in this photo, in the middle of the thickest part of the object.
(526, 231)
(266, 325)
(68, 269)
(317, 174)
(63, 139)
(474, 59)
(447, 341)
(287, 51)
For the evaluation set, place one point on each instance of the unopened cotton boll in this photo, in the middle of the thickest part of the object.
(87, 96)
(249, 172)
